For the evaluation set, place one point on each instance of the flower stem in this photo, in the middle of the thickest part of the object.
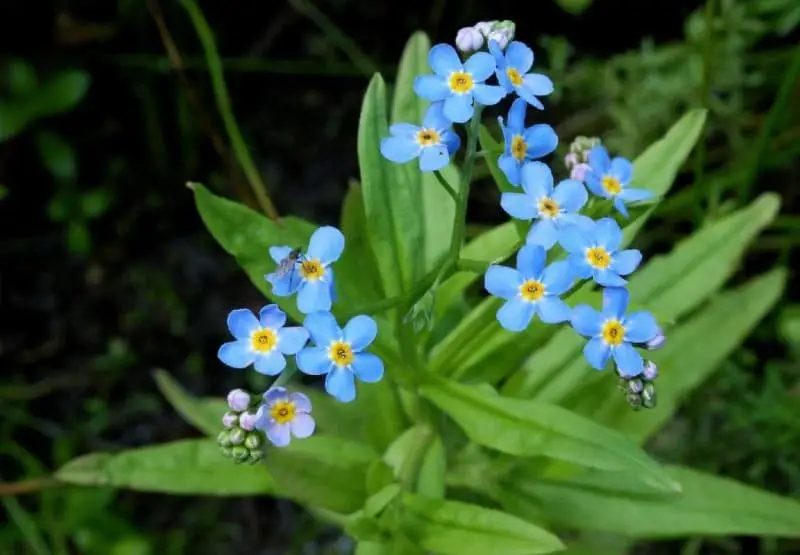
(285, 376)
(443, 182)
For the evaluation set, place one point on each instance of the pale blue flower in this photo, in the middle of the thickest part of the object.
(594, 252)
(609, 178)
(513, 68)
(284, 415)
(433, 143)
(523, 145)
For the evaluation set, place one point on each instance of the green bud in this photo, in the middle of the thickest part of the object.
(252, 441)
(649, 397)
(421, 314)
(224, 438)
(255, 456)
(622, 385)
(227, 452)
(581, 146)
(237, 436)
(634, 400)
(240, 454)
(635, 385)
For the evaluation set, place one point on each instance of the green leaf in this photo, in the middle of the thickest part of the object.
(57, 155)
(3, 192)
(95, 203)
(495, 149)
(206, 416)
(575, 7)
(22, 78)
(709, 505)
(455, 528)
(382, 399)
(529, 429)
(61, 92)
(79, 240)
(356, 270)
(193, 467)
(417, 458)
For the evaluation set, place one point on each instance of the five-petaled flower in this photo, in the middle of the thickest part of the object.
(339, 354)
(311, 276)
(434, 143)
(609, 178)
(523, 145)
(551, 208)
(283, 415)
(612, 333)
(512, 72)
(458, 84)
(261, 341)
(594, 252)
(530, 289)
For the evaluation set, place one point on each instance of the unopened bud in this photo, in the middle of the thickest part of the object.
(255, 456)
(579, 172)
(571, 160)
(650, 371)
(237, 436)
(224, 438)
(247, 421)
(657, 342)
(635, 386)
(506, 26)
(502, 38)
(226, 452)
(252, 441)
(469, 39)
(229, 419)
(580, 146)
(484, 27)
(634, 400)
(649, 399)
(240, 453)
(238, 400)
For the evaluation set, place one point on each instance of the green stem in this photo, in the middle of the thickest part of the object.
(443, 182)
(714, 194)
(215, 69)
(285, 376)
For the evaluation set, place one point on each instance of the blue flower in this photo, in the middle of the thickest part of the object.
(552, 208)
(434, 143)
(523, 145)
(593, 252)
(311, 276)
(609, 178)
(611, 332)
(530, 289)
(458, 84)
(340, 353)
(261, 341)
(284, 415)
(512, 72)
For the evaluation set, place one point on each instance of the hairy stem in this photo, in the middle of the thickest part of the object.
(443, 182)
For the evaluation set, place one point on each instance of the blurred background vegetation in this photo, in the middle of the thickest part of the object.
(106, 110)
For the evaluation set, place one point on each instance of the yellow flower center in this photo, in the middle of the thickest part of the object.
(613, 332)
(282, 412)
(341, 353)
(598, 257)
(312, 269)
(428, 137)
(532, 290)
(461, 82)
(612, 185)
(263, 341)
(519, 148)
(514, 76)
(548, 207)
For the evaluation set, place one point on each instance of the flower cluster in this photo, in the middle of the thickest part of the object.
(238, 440)
(318, 347)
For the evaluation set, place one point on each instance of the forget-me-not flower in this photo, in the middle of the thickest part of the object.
(261, 341)
(530, 289)
(457, 84)
(551, 208)
(284, 415)
(340, 353)
(311, 277)
(523, 145)
(609, 178)
(512, 72)
(612, 333)
(434, 143)
(594, 252)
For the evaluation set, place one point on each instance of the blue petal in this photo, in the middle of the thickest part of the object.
(278, 434)
(452, 141)
(595, 184)
(367, 367)
(481, 65)
(236, 354)
(516, 115)
(629, 361)
(340, 383)
(573, 240)
(314, 296)
(636, 195)
(543, 232)
(625, 262)
(332, 283)
(502, 281)
(282, 286)
(615, 302)
(519, 56)
(323, 328)
(640, 327)
(586, 321)
(431, 87)
(583, 223)
(537, 84)
(596, 353)
(302, 425)
(622, 169)
(301, 402)
(242, 323)
(326, 244)
(570, 195)
(619, 204)
(516, 314)
(607, 234)
(505, 82)
(434, 158)
(360, 331)
(276, 394)
(291, 340)
(279, 253)
(314, 361)
(558, 278)
(529, 97)
(579, 266)
(537, 180)
(530, 261)
(458, 108)
(518, 206)
(399, 149)
(497, 52)
(510, 168)
(269, 364)
(271, 316)
(540, 138)
(444, 59)
(488, 95)
(434, 117)
(553, 310)
(608, 278)
(599, 160)
(405, 130)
